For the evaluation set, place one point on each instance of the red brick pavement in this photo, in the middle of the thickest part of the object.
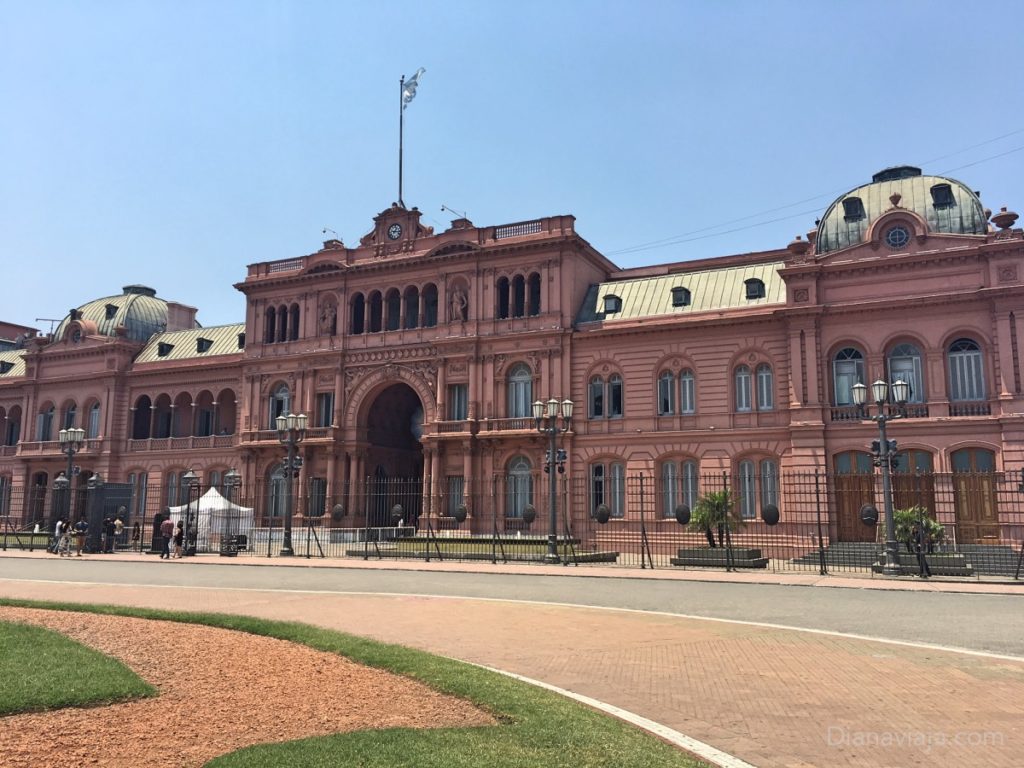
(772, 697)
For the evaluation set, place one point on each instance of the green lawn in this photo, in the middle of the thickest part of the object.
(42, 669)
(537, 728)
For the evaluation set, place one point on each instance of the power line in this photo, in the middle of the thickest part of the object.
(686, 237)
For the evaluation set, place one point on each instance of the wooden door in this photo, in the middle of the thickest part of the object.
(854, 486)
(913, 481)
(974, 485)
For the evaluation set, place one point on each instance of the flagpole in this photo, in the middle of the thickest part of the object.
(401, 127)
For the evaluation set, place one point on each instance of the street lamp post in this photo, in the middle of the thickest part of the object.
(71, 441)
(546, 417)
(884, 455)
(291, 429)
(191, 533)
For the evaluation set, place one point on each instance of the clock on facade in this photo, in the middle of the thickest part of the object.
(394, 231)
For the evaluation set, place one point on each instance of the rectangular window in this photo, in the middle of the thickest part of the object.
(93, 430)
(666, 394)
(615, 397)
(596, 398)
(316, 502)
(769, 484)
(687, 393)
(324, 409)
(617, 491)
(456, 489)
(747, 490)
(458, 402)
(596, 487)
(765, 388)
(743, 389)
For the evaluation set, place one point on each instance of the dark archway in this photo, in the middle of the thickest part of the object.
(394, 425)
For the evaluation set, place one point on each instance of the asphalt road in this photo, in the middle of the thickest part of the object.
(981, 622)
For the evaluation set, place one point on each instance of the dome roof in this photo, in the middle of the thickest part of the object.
(947, 205)
(137, 309)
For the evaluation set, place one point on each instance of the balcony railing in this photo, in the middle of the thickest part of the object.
(270, 435)
(182, 443)
(52, 447)
(8, 450)
(517, 424)
(970, 409)
(842, 413)
(449, 427)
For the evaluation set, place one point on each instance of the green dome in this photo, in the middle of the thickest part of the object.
(137, 309)
(947, 205)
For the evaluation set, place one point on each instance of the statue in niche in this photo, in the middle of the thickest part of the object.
(458, 306)
(328, 320)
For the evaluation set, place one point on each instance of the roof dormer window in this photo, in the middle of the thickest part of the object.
(203, 345)
(942, 196)
(163, 349)
(680, 296)
(5, 366)
(755, 288)
(853, 208)
(241, 340)
(111, 310)
(612, 304)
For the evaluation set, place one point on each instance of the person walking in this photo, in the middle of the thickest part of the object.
(920, 539)
(81, 529)
(64, 545)
(166, 531)
(179, 539)
(118, 532)
(58, 531)
(109, 529)
(136, 535)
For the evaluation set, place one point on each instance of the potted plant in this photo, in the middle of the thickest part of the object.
(906, 519)
(715, 511)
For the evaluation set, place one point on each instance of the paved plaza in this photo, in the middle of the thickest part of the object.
(775, 670)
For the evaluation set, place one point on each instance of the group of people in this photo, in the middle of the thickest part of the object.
(64, 533)
(170, 533)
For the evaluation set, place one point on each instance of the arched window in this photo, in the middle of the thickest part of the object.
(44, 425)
(282, 323)
(847, 370)
(687, 392)
(412, 307)
(608, 486)
(595, 398)
(376, 312)
(429, 305)
(13, 433)
(70, 416)
(171, 489)
(518, 296)
(280, 404)
(743, 400)
(519, 486)
(765, 388)
(679, 485)
(357, 323)
(92, 430)
(270, 325)
(754, 288)
(503, 298)
(905, 365)
(966, 378)
(666, 393)
(747, 489)
(277, 492)
(757, 486)
(533, 287)
(293, 323)
(394, 310)
(520, 391)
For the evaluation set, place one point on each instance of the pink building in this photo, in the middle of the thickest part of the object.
(418, 355)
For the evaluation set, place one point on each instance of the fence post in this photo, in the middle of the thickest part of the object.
(823, 567)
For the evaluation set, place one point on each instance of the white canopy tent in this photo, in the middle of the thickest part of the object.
(214, 516)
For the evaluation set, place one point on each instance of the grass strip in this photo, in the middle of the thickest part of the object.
(537, 727)
(42, 669)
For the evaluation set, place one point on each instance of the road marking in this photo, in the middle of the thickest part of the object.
(672, 736)
(614, 609)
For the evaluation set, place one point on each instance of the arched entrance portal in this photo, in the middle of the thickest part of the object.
(394, 425)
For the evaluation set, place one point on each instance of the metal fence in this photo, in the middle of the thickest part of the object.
(629, 520)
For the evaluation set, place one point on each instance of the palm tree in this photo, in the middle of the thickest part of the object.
(715, 510)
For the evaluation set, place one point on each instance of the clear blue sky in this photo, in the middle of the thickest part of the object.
(172, 143)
